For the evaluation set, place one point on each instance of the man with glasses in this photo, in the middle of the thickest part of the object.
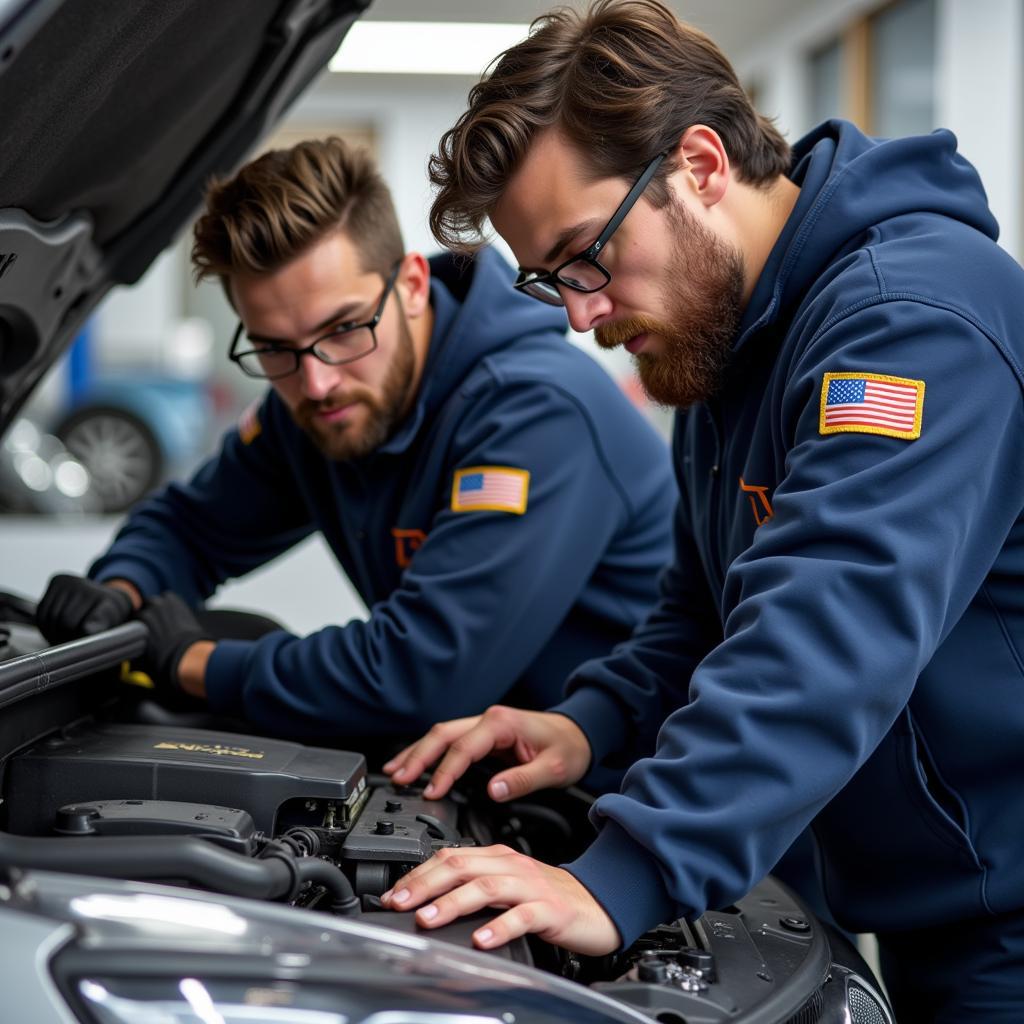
(493, 496)
(840, 636)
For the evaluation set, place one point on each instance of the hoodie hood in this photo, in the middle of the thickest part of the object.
(849, 184)
(476, 313)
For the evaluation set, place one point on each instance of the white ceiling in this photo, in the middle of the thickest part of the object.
(733, 24)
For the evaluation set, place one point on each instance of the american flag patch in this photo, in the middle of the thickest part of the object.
(871, 403)
(490, 488)
(249, 427)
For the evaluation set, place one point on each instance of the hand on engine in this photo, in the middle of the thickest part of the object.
(551, 749)
(539, 898)
(74, 606)
(176, 641)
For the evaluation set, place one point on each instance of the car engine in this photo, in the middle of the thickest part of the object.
(88, 791)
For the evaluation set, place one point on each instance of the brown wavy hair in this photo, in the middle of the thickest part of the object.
(622, 82)
(280, 204)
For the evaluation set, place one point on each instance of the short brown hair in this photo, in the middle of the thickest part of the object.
(280, 204)
(622, 82)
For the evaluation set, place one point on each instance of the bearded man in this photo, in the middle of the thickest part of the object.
(839, 641)
(491, 493)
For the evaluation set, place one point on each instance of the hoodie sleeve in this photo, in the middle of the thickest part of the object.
(240, 510)
(483, 594)
(877, 546)
(621, 701)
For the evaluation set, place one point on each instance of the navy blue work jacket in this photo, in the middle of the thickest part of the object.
(840, 640)
(468, 606)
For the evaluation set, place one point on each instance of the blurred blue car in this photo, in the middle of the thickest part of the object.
(133, 430)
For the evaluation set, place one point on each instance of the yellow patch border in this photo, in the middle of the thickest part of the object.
(518, 511)
(860, 428)
(249, 426)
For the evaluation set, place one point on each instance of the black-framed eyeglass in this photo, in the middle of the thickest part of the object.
(344, 343)
(583, 272)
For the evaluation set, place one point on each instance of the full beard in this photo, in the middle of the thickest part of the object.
(703, 303)
(348, 440)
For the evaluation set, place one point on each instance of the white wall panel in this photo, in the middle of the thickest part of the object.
(981, 98)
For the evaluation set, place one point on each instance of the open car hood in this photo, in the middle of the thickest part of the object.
(115, 113)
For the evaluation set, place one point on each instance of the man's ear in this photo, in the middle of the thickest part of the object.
(414, 284)
(702, 164)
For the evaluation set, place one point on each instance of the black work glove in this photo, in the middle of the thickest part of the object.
(74, 606)
(173, 628)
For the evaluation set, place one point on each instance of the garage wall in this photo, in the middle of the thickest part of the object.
(409, 115)
(979, 86)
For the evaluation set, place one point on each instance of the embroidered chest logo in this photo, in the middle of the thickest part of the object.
(407, 542)
(759, 503)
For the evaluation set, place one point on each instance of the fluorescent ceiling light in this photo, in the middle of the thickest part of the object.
(425, 47)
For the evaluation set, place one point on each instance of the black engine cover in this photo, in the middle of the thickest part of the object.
(125, 762)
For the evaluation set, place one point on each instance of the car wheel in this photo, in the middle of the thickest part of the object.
(118, 449)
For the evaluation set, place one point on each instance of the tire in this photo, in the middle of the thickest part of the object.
(118, 449)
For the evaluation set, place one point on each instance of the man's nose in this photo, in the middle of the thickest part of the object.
(318, 378)
(585, 309)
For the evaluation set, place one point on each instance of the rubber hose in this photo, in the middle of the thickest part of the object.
(146, 858)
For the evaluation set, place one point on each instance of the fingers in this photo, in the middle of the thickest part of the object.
(52, 614)
(74, 606)
(410, 763)
(552, 751)
(546, 771)
(496, 729)
(398, 761)
(487, 890)
(475, 879)
(523, 916)
(523, 919)
(447, 869)
(107, 612)
(462, 741)
(566, 918)
(537, 897)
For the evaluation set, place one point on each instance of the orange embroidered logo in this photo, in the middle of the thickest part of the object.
(407, 542)
(759, 502)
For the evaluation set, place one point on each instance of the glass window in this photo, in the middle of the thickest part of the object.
(903, 69)
(824, 68)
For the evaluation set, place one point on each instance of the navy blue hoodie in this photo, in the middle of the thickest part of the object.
(840, 640)
(467, 608)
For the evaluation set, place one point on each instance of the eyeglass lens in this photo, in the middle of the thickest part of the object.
(331, 349)
(581, 275)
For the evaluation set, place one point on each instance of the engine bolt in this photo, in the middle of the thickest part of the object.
(794, 924)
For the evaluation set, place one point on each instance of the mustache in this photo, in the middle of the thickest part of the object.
(307, 407)
(618, 333)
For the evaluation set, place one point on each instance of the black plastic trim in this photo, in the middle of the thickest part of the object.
(65, 663)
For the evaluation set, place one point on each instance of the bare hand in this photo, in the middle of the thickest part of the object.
(542, 899)
(551, 749)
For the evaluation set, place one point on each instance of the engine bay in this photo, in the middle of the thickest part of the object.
(263, 798)
(109, 794)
